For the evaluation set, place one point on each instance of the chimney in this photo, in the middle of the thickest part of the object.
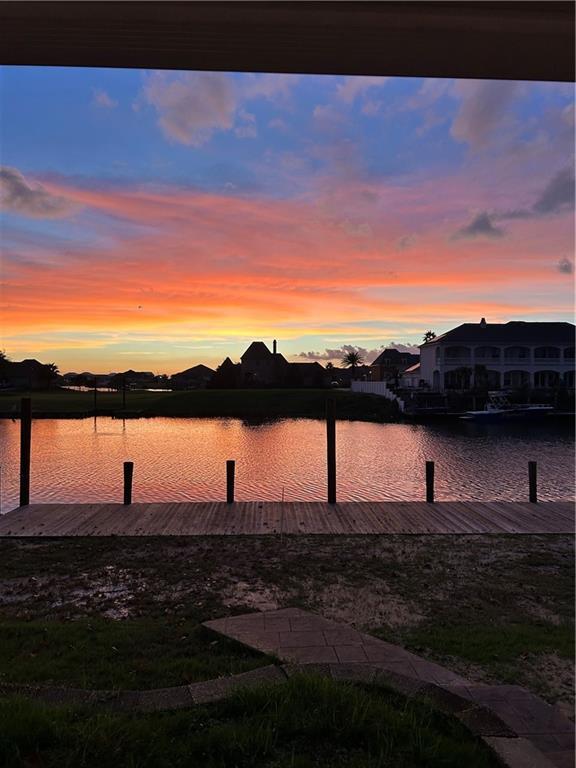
(483, 323)
(274, 347)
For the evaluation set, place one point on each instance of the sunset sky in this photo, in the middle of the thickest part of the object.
(155, 220)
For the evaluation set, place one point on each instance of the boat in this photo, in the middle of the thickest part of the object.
(499, 408)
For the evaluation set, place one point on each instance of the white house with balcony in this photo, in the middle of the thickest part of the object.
(500, 356)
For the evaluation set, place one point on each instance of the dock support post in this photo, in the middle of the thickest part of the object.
(430, 482)
(128, 475)
(532, 482)
(331, 448)
(95, 401)
(25, 443)
(230, 470)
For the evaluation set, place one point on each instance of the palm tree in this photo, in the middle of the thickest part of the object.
(429, 336)
(352, 360)
(52, 373)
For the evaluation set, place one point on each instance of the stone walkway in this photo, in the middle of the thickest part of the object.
(539, 735)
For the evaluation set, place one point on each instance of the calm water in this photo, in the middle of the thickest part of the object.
(184, 459)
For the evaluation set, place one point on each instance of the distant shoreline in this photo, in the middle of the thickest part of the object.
(234, 403)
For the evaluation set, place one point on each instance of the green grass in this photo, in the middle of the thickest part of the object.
(105, 654)
(240, 403)
(500, 647)
(305, 723)
(496, 643)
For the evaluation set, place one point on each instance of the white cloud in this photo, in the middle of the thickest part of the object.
(247, 129)
(268, 86)
(278, 123)
(101, 98)
(17, 195)
(327, 117)
(191, 106)
(371, 108)
(356, 85)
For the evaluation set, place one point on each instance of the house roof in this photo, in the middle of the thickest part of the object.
(196, 370)
(394, 356)
(256, 351)
(226, 363)
(413, 369)
(514, 332)
(304, 366)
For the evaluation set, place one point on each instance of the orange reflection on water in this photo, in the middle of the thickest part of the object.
(184, 460)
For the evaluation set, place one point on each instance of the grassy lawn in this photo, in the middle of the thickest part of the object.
(492, 608)
(109, 655)
(306, 723)
(241, 403)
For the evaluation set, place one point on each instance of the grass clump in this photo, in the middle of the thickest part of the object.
(306, 723)
(105, 654)
(489, 643)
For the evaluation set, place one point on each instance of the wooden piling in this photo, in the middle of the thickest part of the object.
(430, 482)
(532, 482)
(128, 476)
(95, 401)
(331, 448)
(230, 470)
(25, 445)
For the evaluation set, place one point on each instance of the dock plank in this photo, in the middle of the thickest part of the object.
(297, 518)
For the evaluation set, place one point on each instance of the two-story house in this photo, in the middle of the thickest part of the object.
(500, 356)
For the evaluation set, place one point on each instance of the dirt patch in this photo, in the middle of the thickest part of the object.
(254, 596)
(364, 606)
(554, 676)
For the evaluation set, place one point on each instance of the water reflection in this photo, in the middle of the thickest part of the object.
(184, 459)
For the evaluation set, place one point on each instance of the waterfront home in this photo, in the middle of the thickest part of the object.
(410, 378)
(260, 367)
(496, 356)
(391, 363)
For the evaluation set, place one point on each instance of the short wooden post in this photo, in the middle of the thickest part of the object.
(230, 469)
(123, 393)
(331, 448)
(25, 444)
(95, 401)
(532, 482)
(128, 475)
(430, 482)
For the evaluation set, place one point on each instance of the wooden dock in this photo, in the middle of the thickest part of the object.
(267, 517)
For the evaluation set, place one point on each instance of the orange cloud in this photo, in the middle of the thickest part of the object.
(180, 262)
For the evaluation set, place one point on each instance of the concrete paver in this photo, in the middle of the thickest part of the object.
(521, 725)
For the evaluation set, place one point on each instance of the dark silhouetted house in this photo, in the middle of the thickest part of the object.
(510, 355)
(391, 363)
(260, 367)
(197, 377)
(226, 376)
(28, 374)
(133, 380)
(306, 375)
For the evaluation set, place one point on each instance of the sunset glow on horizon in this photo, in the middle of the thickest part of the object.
(157, 220)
